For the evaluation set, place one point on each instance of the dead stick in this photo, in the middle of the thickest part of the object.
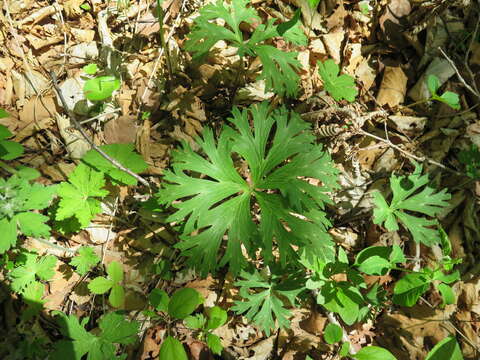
(87, 138)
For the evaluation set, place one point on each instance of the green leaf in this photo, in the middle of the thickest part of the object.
(344, 349)
(11, 150)
(3, 114)
(117, 296)
(408, 197)
(115, 329)
(85, 260)
(447, 293)
(172, 349)
(33, 224)
(115, 271)
(433, 84)
(100, 285)
(183, 302)
(101, 87)
(221, 202)
(216, 317)
(8, 229)
(262, 299)
(313, 3)
(339, 87)
(447, 349)
(333, 333)
(214, 343)
(86, 7)
(451, 99)
(77, 197)
(377, 260)
(373, 353)
(124, 154)
(196, 321)
(408, 289)
(31, 267)
(159, 300)
(343, 299)
(90, 69)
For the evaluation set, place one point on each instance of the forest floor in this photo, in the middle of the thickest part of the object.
(388, 46)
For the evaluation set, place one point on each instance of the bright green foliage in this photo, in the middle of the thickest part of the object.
(159, 300)
(78, 196)
(279, 67)
(85, 260)
(408, 289)
(124, 154)
(313, 3)
(263, 299)
(333, 333)
(214, 343)
(339, 87)
(18, 197)
(471, 159)
(112, 283)
(410, 193)
(29, 267)
(183, 302)
(447, 349)
(377, 260)
(172, 349)
(448, 97)
(85, 6)
(90, 69)
(101, 87)
(220, 202)
(373, 353)
(9, 150)
(32, 297)
(114, 329)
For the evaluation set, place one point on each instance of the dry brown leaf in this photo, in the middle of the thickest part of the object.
(120, 130)
(333, 44)
(390, 22)
(393, 88)
(60, 285)
(337, 19)
(409, 125)
(151, 342)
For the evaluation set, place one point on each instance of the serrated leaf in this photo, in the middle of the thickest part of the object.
(214, 343)
(115, 329)
(85, 260)
(408, 197)
(77, 197)
(32, 267)
(100, 285)
(101, 87)
(171, 348)
(333, 333)
(447, 349)
(373, 353)
(220, 202)
(408, 289)
(124, 154)
(339, 87)
(183, 302)
(8, 229)
(33, 224)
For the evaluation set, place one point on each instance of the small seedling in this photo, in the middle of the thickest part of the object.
(448, 97)
(86, 7)
(339, 87)
(85, 260)
(90, 69)
(101, 87)
(112, 283)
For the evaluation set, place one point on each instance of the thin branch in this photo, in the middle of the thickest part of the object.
(79, 127)
(462, 80)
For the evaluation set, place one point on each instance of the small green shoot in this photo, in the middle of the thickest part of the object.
(101, 87)
(112, 283)
(85, 260)
(90, 69)
(86, 7)
(448, 97)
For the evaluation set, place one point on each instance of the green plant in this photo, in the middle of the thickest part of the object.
(471, 159)
(263, 295)
(101, 87)
(9, 150)
(448, 348)
(279, 67)
(216, 317)
(90, 69)
(112, 283)
(179, 306)
(28, 267)
(221, 201)
(448, 97)
(339, 87)
(18, 200)
(411, 193)
(114, 329)
(85, 260)
(333, 333)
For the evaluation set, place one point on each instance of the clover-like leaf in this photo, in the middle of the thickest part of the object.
(101, 87)
(279, 154)
(339, 87)
(411, 193)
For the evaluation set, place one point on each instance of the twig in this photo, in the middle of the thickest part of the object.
(462, 80)
(407, 154)
(79, 127)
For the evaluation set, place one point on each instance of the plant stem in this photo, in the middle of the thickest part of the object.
(160, 15)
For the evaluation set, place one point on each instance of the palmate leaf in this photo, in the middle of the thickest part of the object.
(78, 196)
(220, 203)
(408, 197)
(85, 260)
(279, 67)
(339, 87)
(31, 267)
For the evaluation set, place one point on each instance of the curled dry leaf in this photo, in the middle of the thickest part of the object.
(393, 88)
